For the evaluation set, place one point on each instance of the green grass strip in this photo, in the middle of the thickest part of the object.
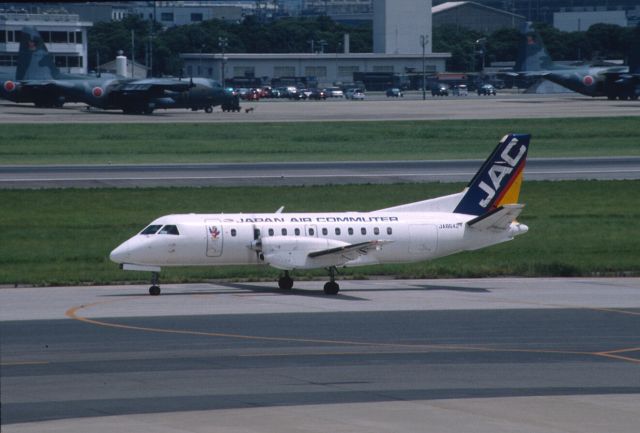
(53, 237)
(311, 141)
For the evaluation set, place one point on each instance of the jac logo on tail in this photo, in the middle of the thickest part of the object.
(500, 170)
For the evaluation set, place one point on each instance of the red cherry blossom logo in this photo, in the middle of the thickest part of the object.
(588, 80)
(9, 86)
(97, 92)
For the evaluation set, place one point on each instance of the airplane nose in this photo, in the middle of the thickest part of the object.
(120, 254)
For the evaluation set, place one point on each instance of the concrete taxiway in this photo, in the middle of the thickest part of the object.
(486, 355)
(376, 107)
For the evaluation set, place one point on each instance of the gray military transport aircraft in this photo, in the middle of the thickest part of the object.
(39, 81)
(534, 61)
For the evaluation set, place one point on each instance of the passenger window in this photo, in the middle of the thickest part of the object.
(169, 230)
(363, 231)
(350, 230)
(389, 231)
(284, 232)
(151, 230)
(271, 232)
(312, 232)
(297, 232)
(234, 232)
(376, 231)
(337, 231)
(325, 231)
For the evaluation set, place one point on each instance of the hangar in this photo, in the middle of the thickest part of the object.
(475, 16)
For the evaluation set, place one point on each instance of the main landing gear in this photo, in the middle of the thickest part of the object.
(285, 282)
(331, 287)
(154, 290)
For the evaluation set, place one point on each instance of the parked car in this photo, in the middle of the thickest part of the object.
(334, 92)
(317, 95)
(358, 96)
(460, 90)
(394, 92)
(440, 90)
(486, 89)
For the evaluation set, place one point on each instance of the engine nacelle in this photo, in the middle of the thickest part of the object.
(291, 252)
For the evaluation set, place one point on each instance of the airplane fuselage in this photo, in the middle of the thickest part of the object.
(285, 240)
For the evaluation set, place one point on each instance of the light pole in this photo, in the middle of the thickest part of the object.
(223, 43)
(424, 41)
(482, 42)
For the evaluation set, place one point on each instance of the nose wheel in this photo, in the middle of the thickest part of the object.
(154, 290)
(331, 287)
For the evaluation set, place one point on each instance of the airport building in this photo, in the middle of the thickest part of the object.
(401, 27)
(475, 16)
(64, 34)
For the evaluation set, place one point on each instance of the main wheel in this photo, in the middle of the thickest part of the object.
(285, 283)
(154, 290)
(331, 288)
(208, 109)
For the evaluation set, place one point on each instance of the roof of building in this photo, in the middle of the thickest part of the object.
(452, 5)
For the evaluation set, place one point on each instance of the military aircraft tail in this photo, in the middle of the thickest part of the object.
(34, 60)
(532, 55)
(498, 181)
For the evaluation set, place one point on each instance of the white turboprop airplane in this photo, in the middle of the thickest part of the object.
(483, 214)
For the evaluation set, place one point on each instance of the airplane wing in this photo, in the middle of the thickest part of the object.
(347, 253)
(151, 84)
(499, 218)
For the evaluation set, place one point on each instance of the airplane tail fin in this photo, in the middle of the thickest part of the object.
(34, 61)
(532, 55)
(497, 182)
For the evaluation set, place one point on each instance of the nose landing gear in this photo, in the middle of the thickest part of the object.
(154, 290)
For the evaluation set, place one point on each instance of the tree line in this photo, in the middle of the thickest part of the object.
(295, 35)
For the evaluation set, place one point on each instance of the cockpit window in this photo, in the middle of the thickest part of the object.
(169, 230)
(152, 229)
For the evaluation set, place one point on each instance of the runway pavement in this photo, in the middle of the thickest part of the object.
(484, 355)
(306, 173)
(376, 107)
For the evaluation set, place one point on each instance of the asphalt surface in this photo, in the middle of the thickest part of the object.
(304, 173)
(376, 107)
(79, 354)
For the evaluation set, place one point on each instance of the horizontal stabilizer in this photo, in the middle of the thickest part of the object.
(499, 218)
(351, 252)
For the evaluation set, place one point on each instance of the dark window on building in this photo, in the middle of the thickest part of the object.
(74, 61)
(60, 61)
(196, 17)
(166, 16)
(78, 37)
(59, 37)
(3, 36)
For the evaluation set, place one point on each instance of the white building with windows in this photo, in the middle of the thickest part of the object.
(64, 34)
(397, 29)
(325, 68)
